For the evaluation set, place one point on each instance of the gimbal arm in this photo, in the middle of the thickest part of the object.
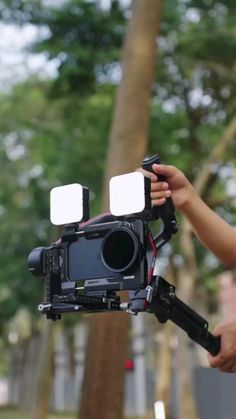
(165, 305)
(158, 298)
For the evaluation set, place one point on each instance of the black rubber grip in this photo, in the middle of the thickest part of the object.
(212, 344)
(194, 325)
(167, 209)
(149, 161)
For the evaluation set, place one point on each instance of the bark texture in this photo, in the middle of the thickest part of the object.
(103, 389)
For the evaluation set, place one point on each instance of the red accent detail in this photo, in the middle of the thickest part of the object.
(129, 364)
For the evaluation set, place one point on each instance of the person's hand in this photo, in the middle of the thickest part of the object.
(176, 185)
(225, 360)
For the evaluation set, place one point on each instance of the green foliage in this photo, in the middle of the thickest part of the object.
(83, 37)
(195, 101)
(197, 56)
(53, 132)
(47, 148)
(196, 80)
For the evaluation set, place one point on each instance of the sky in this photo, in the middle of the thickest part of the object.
(15, 62)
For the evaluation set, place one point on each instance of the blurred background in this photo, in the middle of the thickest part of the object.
(87, 89)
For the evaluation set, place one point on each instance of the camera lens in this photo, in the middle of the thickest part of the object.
(119, 249)
(36, 261)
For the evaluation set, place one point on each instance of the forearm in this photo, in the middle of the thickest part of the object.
(215, 234)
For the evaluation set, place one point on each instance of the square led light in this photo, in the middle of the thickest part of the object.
(68, 204)
(127, 194)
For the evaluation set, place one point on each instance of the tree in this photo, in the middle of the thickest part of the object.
(38, 152)
(55, 149)
(103, 390)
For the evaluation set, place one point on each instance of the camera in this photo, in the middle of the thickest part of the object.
(95, 259)
(107, 256)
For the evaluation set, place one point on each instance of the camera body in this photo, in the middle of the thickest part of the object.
(107, 256)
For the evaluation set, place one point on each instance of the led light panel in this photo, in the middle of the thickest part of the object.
(66, 204)
(127, 194)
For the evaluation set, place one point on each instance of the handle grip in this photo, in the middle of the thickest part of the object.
(213, 344)
(149, 161)
(167, 210)
(194, 325)
(167, 306)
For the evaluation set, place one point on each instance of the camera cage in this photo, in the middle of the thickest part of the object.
(147, 292)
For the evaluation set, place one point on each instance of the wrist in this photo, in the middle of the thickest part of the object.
(189, 200)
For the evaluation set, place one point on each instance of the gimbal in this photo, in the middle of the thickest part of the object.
(110, 241)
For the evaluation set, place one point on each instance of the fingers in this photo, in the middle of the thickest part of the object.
(157, 187)
(229, 367)
(160, 169)
(223, 363)
(219, 328)
(159, 192)
(151, 175)
(225, 360)
(214, 361)
(163, 169)
(159, 198)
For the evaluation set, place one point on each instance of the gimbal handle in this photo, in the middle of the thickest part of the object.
(165, 305)
(166, 211)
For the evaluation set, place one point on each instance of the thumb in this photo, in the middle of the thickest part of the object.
(218, 329)
(163, 169)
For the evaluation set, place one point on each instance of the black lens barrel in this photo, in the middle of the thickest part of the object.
(36, 261)
(120, 249)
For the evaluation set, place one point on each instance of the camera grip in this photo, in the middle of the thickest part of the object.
(213, 344)
(167, 209)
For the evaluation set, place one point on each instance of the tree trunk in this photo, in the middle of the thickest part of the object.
(41, 392)
(130, 127)
(165, 355)
(103, 389)
(164, 367)
(27, 378)
(186, 283)
(42, 372)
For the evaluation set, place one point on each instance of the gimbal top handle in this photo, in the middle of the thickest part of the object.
(166, 211)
